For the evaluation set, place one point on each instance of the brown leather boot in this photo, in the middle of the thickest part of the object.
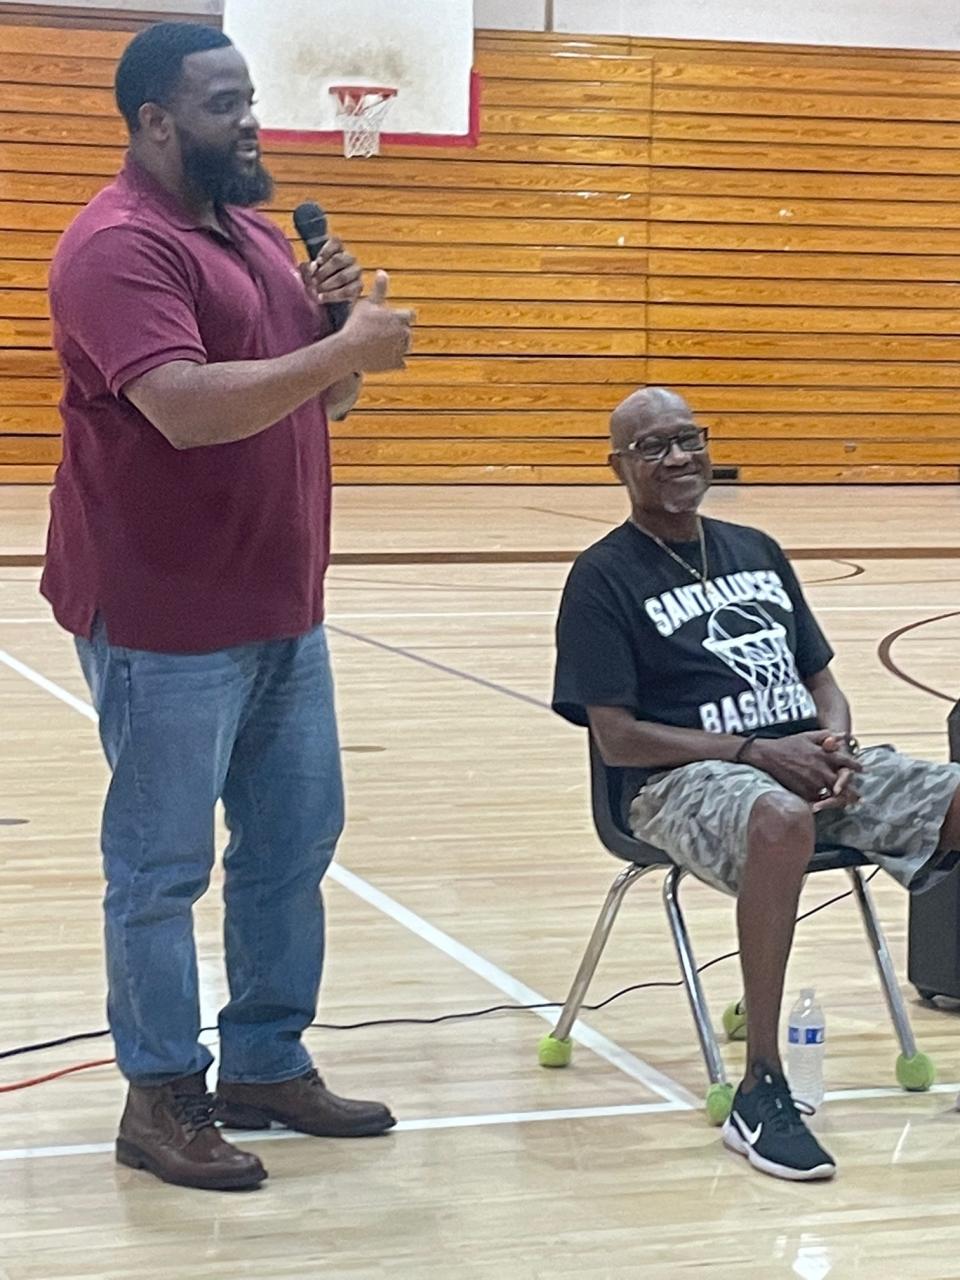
(169, 1131)
(304, 1104)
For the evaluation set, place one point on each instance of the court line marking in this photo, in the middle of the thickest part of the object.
(552, 613)
(467, 613)
(540, 613)
(335, 617)
(64, 695)
(398, 651)
(428, 1123)
(244, 1138)
(581, 1032)
(656, 1081)
(884, 1091)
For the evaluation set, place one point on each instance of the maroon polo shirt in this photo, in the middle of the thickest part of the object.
(180, 551)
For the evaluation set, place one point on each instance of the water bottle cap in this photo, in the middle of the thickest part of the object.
(807, 993)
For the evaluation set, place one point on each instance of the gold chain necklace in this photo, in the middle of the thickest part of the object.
(684, 564)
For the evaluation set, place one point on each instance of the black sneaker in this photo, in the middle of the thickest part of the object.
(767, 1127)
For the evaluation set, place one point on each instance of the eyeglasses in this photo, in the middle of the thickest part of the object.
(655, 448)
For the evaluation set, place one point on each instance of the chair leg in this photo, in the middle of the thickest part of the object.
(595, 948)
(914, 1070)
(691, 979)
(888, 978)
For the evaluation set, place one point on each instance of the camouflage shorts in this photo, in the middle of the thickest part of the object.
(698, 814)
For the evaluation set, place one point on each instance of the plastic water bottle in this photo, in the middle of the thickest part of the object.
(806, 1032)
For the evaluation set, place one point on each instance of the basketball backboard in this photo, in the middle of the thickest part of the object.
(299, 49)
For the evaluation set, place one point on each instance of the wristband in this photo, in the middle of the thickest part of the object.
(738, 758)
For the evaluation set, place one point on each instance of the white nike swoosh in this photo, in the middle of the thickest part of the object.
(750, 1136)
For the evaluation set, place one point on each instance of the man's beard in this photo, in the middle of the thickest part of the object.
(216, 176)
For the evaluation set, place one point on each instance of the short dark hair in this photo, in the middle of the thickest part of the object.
(152, 64)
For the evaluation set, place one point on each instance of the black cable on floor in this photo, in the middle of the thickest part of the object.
(450, 1017)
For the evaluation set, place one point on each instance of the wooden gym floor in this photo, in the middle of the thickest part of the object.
(469, 876)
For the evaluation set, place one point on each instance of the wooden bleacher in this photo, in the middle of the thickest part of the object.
(771, 230)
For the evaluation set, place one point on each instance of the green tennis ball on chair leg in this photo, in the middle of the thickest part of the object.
(719, 1102)
(554, 1053)
(917, 1073)
(735, 1020)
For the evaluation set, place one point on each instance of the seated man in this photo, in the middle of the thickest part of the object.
(687, 647)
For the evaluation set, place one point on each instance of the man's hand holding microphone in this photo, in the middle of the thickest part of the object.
(377, 337)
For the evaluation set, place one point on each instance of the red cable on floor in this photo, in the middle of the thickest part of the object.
(56, 1075)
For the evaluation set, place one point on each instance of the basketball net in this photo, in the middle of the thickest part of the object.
(360, 114)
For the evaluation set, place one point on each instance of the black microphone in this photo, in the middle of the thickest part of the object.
(311, 224)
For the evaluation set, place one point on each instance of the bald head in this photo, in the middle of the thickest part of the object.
(643, 410)
(660, 456)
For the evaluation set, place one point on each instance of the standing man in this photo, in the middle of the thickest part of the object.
(188, 543)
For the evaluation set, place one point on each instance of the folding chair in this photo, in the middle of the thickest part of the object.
(914, 1070)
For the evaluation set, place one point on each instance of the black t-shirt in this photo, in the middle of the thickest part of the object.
(728, 655)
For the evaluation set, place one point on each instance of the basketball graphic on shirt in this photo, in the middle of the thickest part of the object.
(753, 644)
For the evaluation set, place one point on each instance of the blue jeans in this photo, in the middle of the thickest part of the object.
(254, 726)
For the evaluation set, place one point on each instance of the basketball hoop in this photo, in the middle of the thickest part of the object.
(360, 113)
